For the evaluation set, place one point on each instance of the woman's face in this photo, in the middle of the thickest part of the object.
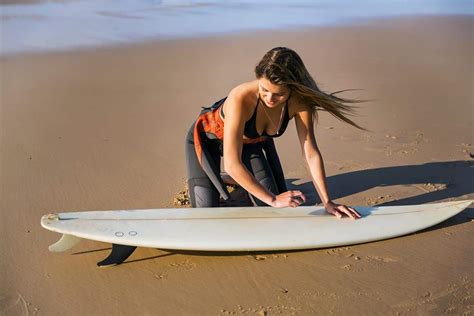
(273, 95)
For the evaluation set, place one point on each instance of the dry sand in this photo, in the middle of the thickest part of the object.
(104, 129)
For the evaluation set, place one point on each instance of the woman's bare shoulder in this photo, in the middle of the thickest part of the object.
(245, 90)
(243, 96)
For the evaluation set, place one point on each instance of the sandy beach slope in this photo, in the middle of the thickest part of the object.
(104, 129)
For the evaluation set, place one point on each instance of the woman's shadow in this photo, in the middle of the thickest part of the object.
(436, 181)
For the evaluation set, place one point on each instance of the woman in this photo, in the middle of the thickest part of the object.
(241, 128)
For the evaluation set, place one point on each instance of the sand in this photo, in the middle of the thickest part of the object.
(104, 129)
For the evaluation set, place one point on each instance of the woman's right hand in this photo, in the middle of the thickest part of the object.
(289, 198)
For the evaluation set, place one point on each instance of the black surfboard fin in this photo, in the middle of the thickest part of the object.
(119, 254)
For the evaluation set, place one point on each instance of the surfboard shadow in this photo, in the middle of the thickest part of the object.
(90, 251)
(149, 258)
(231, 253)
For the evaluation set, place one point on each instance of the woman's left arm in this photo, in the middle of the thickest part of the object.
(312, 155)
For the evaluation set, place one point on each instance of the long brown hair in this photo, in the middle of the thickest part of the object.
(283, 66)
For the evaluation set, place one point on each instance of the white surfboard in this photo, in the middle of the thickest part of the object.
(241, 228)
(244, 228)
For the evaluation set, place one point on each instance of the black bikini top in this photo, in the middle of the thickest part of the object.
(250, 129)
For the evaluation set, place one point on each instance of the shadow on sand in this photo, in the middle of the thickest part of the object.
(456, 175)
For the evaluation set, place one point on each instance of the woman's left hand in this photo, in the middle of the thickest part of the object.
(340, 210)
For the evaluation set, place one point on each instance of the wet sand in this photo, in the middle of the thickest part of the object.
(104, 129)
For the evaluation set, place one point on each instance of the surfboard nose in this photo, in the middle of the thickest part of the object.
(460, 205)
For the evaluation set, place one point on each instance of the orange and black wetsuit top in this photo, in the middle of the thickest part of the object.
(210, 125)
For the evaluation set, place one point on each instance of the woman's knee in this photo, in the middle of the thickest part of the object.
(202, 193)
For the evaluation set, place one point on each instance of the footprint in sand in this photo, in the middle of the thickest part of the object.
(262, 257)
(347, 267)
(378, 200)
(406, 143)
(336, 251)
(407, 151)
(380, 259)
(432, 187)
(351, 255)
(456, 297)
(466, 149)
(186, 264)
(159, 275)
(419, 138)
(391, 136)
(170, 269)
(261, 310)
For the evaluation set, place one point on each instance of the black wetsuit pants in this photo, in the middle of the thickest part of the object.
(260, 159)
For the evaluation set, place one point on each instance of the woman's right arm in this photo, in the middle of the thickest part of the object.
(235, 117)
